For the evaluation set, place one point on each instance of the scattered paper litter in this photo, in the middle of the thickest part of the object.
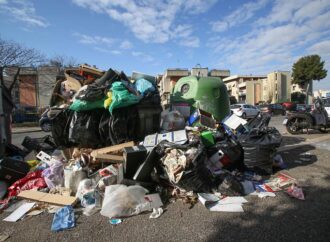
(232, 200)
(295, 191)
(35, 212)
(226, 208)
(264, 194)
(19, 212)
(228, 204)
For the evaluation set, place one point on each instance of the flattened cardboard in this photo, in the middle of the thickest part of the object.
(111, 148)
(118, 158)
(47, 198)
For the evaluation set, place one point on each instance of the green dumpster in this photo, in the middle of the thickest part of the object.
(205, 93)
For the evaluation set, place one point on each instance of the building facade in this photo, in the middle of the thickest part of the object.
(245, 88)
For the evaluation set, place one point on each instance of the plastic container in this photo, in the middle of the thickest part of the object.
(206, 93)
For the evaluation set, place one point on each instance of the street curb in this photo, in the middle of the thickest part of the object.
(307, 142)
(26, 131)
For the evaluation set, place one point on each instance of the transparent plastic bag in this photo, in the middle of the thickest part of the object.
(173, 121)
(122, 201)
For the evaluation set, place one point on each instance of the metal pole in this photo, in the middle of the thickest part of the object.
(3, 136)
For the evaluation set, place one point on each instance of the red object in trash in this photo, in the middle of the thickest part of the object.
(225, 160)
(31, 181)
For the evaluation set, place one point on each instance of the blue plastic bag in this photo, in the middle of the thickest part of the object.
(63, 219)
(144, 86)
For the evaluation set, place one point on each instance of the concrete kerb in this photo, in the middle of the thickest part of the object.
(25, 130)
(307, 142)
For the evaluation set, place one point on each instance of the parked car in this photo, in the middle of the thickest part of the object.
(288, 106)
(244, 110)
(326, 102)
(272, 109)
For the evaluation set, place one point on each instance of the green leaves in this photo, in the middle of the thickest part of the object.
(308, 68)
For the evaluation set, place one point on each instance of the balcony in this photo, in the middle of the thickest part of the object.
(242, 93)
(243, 84)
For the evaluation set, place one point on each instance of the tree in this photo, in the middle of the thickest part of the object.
(13, 55)
(308, 69)
(62, 61)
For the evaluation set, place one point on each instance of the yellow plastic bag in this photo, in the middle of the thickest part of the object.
(108, 101)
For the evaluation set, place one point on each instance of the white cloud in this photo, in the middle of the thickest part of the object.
(278, 39)
(125, 45)
(94, 40)
(190, 42)
(149, 20)
(23, 11)
(239, 16)
(103, 50)
(142, 56)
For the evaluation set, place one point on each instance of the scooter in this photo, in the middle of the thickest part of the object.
(316, 119)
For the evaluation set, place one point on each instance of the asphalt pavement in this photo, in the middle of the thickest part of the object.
(269, 219)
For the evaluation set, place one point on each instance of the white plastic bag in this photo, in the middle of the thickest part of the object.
(122, 201)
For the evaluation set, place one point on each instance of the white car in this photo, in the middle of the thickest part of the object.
(244, 110)
(326, 102)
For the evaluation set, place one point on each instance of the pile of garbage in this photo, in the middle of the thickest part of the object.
(97, 161)
(108, 110)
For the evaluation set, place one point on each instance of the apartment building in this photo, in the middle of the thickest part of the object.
(245, 88)
(277, 87)
(168, 81)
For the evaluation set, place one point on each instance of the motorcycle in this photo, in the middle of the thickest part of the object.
(317, 119)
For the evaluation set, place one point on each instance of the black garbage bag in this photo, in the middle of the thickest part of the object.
(45, 144)
(60, 122)
(258, 146)
(124, 125)
(84, 129)
(92, 93)
(196, 176)
(104, 128)
(233, 150)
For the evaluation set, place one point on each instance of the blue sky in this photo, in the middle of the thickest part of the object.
(247, 37)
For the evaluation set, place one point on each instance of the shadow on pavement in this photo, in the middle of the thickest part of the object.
(299, 156)
(286, 220)
(292, 140)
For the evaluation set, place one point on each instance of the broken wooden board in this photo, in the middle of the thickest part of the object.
(47, 198)
(117, 158)
(111, 148)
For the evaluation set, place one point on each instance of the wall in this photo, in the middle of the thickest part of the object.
(27, 90)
